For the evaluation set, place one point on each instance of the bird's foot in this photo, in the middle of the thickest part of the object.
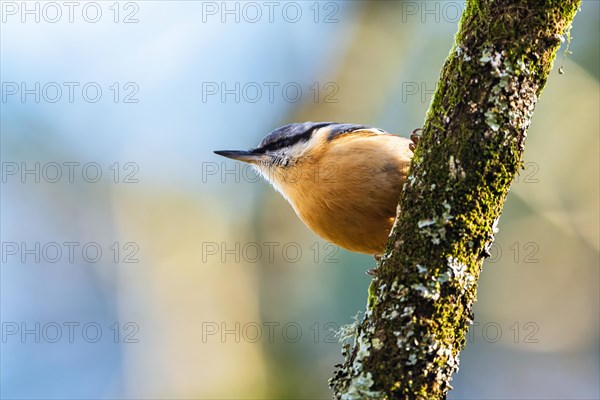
(374, 271)
(415, 136)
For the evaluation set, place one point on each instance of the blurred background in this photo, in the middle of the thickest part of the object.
(137, 264)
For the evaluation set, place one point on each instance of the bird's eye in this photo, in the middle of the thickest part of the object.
(285, 143)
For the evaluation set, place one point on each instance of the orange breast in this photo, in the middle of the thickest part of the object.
(351, 193)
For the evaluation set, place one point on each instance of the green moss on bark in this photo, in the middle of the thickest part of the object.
(420, 304)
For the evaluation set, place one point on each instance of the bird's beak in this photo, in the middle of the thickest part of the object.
(250, 156)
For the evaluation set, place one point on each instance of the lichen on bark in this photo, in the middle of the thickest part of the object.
(420, 303)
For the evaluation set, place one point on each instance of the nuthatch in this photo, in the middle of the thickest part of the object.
(343, 180)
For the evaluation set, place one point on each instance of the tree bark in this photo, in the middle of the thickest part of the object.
(420, 303)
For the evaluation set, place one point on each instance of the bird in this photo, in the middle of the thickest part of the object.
(343, 180)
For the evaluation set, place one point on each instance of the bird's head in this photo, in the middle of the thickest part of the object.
(282, 150)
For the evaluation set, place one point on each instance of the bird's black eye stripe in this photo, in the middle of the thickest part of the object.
(290, 141)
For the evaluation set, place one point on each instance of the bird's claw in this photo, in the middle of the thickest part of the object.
(374, 271)
(415, 137)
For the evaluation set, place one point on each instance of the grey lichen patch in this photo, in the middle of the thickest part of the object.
(377, 344)
(451, 360)
(462, 53)
(491, 119)
(443, 278)
(358, 384)
(408, 311)
(363, 350)
(562, 40)
(430, 292)
(348, 332)
(393, 314)
(487, 246)
(513, 96)
(425, 222)
(435, 227)
(495, 228)
(460, 273)
(360, 388)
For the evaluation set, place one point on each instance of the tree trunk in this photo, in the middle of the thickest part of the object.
(420, 303)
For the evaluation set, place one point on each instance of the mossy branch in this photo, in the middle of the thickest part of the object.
(420, 302)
